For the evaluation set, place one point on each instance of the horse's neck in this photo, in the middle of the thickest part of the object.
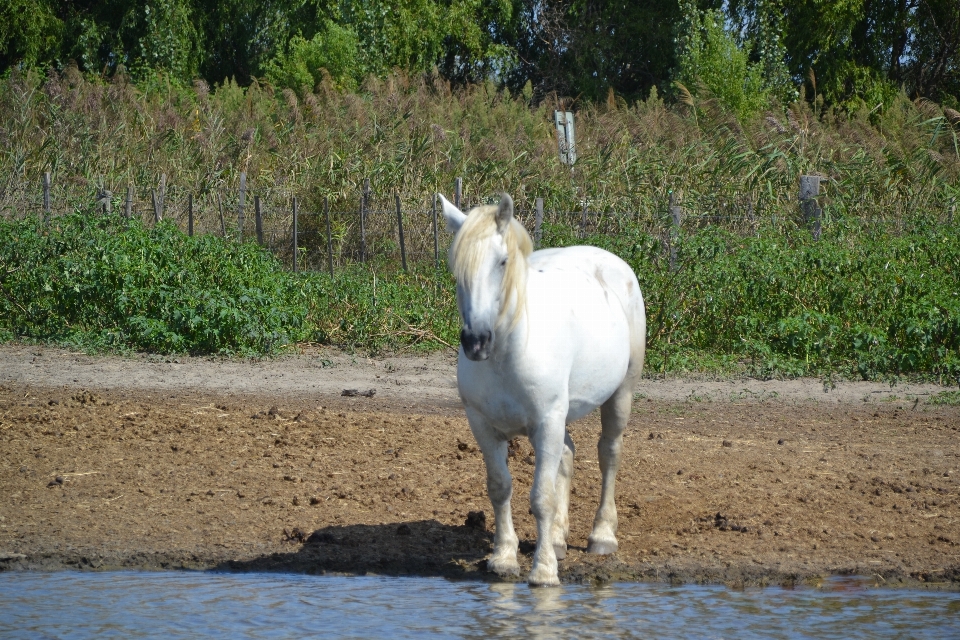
(515, 328)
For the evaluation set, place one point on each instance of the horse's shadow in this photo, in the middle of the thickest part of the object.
(422, 548)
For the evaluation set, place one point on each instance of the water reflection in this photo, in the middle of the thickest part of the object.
(516, 609)
(191, 605)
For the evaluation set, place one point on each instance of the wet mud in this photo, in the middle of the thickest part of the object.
(741, 491)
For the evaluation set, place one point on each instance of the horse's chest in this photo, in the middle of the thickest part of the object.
(510, 403)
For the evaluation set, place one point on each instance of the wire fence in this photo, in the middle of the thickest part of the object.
(382, 228)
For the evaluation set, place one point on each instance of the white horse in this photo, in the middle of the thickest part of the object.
(547, 337)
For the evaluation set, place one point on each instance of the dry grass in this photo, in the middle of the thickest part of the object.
(414, 135)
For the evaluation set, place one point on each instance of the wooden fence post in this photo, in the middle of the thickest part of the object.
(809, 190)
(190, 214)
(156, 206)
(46, 196)
(403, 247)
(258, 219)
(363, 219)
(675, 212)
(457, 192)
(436, 234)
(294, 234)
(537, 224)
(243, 198)
(128, 203)
(326, 213)
(106, 200)
(223, 223)
(162, 195)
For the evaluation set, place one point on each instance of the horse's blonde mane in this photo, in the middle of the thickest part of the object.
(466, 256)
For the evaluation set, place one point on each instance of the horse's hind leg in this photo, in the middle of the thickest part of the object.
(614, 414)
(561, 523)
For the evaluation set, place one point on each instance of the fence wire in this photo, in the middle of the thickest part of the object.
(373, 235)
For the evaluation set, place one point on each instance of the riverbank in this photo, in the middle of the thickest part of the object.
(111, 462)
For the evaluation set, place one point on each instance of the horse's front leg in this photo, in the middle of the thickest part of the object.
(503, 561)
(561, 524)
(548, 442)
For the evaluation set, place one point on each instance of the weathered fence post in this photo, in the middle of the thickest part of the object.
(436, 234)
(326, 213)
(190, 214)
(128, 203)
(403, 247)
(809, 190)
(952, 210)
(162, 196)
(156, 206)
(458, 192)
(243, 199)
(258, 219)
(538, 223)
(294, 234)
(104, 200)
(46, 196)
(363, 219)
(223, 223)
(675, 211)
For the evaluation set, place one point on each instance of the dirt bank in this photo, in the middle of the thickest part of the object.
(114, 462)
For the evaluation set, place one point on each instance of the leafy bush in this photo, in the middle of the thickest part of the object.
(94, 281)
(333, 49)
(710, 58)
(862, 302)
(101, 283)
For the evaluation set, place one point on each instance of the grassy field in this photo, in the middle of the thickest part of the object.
(751, 291)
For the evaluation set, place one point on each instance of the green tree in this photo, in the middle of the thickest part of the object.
(333, 49)
(31, 32)
(587, 47)
(168, 38)
(711, 61)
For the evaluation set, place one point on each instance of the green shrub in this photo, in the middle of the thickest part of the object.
(100, 283)
(862, 302)
(333, 49)
(710, 58)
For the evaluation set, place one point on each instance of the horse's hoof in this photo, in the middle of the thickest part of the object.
(542, 577)
(503, 567)
(560, 550)
(602, 547)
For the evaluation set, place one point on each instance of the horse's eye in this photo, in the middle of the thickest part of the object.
(503, 262)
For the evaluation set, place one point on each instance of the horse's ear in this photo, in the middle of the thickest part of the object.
(504, 212)
(451, 214)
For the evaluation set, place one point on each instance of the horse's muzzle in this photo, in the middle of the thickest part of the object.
(476, 344)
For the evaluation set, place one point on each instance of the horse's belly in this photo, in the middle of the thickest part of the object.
(595, 377)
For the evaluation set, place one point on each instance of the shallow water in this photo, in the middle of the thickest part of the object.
(195, 605)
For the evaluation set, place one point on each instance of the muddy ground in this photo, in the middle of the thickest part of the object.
(193, 463)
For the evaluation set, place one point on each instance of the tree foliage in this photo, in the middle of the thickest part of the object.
(851, 53)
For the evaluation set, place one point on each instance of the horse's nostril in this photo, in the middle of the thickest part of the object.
(474, 342)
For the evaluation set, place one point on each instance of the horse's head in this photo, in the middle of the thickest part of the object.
(489, 259)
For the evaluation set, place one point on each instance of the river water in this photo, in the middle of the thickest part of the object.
(215, 605)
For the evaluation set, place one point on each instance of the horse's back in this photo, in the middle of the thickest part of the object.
(586, 278)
